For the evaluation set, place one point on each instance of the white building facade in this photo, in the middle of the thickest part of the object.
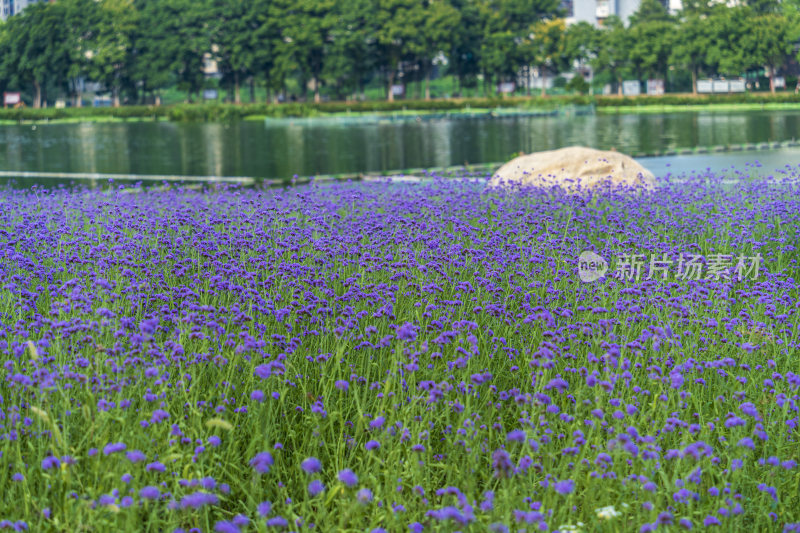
(9, 8)
(596, 11)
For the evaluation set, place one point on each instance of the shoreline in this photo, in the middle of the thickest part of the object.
(473, 170)
(413, 109)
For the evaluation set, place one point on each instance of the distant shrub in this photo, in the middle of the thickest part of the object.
(700, 99)
(219, 112)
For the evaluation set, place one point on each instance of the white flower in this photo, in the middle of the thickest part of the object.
(607, 513)
(571, 528)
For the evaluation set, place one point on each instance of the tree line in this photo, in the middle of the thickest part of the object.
(137, 48)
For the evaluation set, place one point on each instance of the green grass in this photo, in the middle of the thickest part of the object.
(655, 108)
(214, 111)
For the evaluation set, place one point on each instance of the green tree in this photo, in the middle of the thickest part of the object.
(109, 50)
(352, 54)
(233, 42)
(520, 15)
(438, 35)
(172, 43)
(649, 11)
(82, 19)
(765, 7)
(464, 56)
(501, 55)
(581, 41)
(285, 60)
(652, 44)
(35, 49)
(651, 38)
(306, 25)
(548, 49)
(769, 42)
(508, 42)
(692, 39)
(578, 84)
(612, 51)
(398, 23)
(151, 70)
(729, 28)
(266, 35)
(698, 7)
(791, 9)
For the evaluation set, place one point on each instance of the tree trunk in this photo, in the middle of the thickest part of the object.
(316, 89)
(252, 84)
(303, 96)
(771, 79)
(428, 83)
(694, 81)
(528, 80)
(237, 98)
(115, 93)
(544, 82)
(389, 85)
(619, 85)
(37, 96)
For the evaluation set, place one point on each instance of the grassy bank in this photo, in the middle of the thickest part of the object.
(226, 112)
(656, 108)
(223, 112)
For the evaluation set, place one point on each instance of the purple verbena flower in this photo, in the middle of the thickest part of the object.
(311, 465)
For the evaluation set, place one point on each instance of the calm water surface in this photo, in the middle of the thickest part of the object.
(280, 150)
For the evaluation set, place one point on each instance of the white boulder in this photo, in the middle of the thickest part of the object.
(574, 168)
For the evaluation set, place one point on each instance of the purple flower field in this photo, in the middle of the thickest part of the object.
(397, 357)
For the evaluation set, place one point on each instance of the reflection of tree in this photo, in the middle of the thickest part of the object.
(216, 151)
(84, 149)
(12, 140)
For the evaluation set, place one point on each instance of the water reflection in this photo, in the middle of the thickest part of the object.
(279, 150)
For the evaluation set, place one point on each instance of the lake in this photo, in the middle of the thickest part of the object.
(265, 149)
